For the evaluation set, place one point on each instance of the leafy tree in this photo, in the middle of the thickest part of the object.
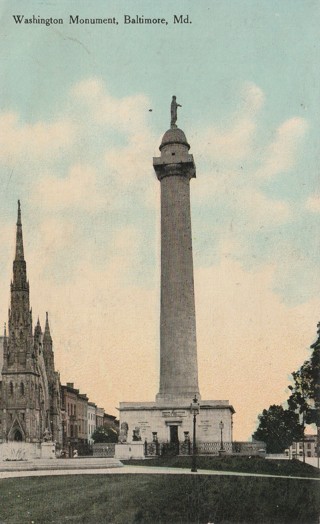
(105, 434)
(299, 400)
(305, 392)
(315, 377)
(278, 428)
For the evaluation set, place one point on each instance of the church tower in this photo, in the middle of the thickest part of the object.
(24, 399)
(53, 379)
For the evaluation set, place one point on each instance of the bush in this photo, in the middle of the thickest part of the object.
(105, 434)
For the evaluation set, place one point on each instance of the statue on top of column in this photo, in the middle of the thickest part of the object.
(174, 107)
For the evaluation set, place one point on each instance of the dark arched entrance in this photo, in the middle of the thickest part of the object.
(17, 436)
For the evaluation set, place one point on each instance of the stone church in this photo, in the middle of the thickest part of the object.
(30, 387)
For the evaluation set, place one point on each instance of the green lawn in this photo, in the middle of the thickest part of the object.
(293, 468)
(166, 499)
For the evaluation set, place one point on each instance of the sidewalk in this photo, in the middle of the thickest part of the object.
(313, 461)
(133, 470)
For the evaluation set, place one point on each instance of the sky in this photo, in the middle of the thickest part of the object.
(83, 110)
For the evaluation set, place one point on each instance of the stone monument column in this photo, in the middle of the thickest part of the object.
(178, 347)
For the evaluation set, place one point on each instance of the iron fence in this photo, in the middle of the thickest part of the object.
(213, 448)
(104, 450)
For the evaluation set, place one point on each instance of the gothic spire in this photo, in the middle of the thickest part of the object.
(37, 329)
(19, 264)
(47, 334)
(19, 238)
(20, 341)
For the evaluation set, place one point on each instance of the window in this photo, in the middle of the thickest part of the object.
(11, 388)
(22, 389)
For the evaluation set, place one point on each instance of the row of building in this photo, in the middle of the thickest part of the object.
(307, 448)
(34, 406)
(80, 418)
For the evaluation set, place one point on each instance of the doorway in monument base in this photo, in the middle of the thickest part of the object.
(174, 435)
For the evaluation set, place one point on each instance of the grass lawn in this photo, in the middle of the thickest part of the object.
(293, 468)
(166, 499)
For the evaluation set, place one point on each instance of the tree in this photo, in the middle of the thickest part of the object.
(105, 434)
(305, 392)
(278, 428)
(300, 399)
(315, 377)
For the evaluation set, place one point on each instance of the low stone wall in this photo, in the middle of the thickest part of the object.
(16, 451)
(130, 450)
(104, 449)
(277, 456)
(249, 448)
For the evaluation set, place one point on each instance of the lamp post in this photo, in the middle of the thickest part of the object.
(221, 426)
(194, 408)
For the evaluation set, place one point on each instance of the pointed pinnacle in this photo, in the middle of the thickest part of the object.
(19, 239)
(19, 214)
(47, 328)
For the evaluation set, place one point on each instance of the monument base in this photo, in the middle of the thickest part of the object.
(127, 451)
(172, 420)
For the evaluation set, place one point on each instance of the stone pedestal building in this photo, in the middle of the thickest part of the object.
(169, 418)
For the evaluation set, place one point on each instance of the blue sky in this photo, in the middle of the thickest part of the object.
(76, 146)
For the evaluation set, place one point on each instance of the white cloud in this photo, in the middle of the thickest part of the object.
(128, 114)
(235, 141)
(78, 190)
(313, 204)
(281, 154)
(130, 163)
(38, 140)
(260, 211)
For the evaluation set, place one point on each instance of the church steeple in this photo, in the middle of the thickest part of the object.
(47, 340)
(47, 334)
(20, 341)
(19, 238)
(47, 349)
(19, 265)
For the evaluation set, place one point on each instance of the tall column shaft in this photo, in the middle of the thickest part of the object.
(178, 346)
